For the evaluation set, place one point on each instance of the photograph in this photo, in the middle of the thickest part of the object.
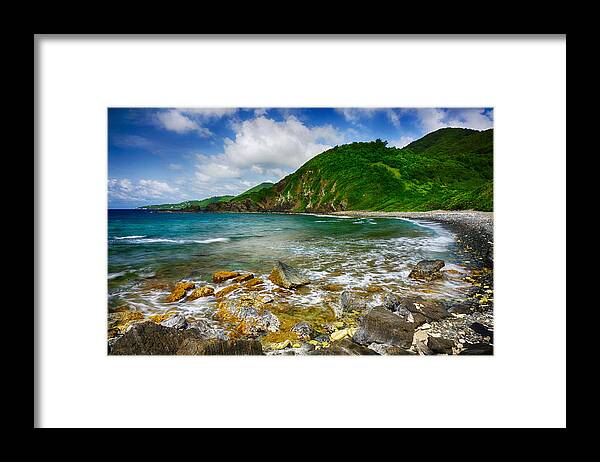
(291, 231)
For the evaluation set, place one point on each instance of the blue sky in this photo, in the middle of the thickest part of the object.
(159, 155)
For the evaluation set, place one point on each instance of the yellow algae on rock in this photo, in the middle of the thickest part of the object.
(253, 282)
(123, 319)
(221, 276)
(158, 318)
(342, 333)
(227, 290)
(180, 290)
(279, 340)
(333, 287)
(243, 277)
(203, 291)
(339, 334)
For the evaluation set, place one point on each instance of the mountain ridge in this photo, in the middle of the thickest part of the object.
(450, 169)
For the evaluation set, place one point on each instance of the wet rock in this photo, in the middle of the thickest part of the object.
(176, 322)
(333, 287)
(122, 320)
(390, 350)
(227, 290)
(427, 270)
(113, 333)
(158, 318)
(250, 315)
(286, 276)
(381, 326)
(148, 338)
(206, 330)
(350, 301)
(119, 309)
(303, 329)
(423, 309)
(373, 289)
(482, 330)
(111, 342)
(440, 345)
(204, 291)
(221, 276)
(477, 349)
(220, 347)
(243, 277)
(253, 282)
(463, 308)
(180, 290)
(344, 347)
(393, 303)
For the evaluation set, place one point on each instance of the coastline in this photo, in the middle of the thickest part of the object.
(460, 326)
(474, 229)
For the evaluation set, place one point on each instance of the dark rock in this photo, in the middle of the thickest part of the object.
(381, 326)
(427, 270)
(393, 303)
(208, 331)
(148, 338)
(343, 347)
(389, 350)
(482, 330)
(350, 301)
(220, 347)
(477, 349)
(176, 322)
(286, 276)
(463, 308)
(431, 310)
(303, 330)
(440, 345)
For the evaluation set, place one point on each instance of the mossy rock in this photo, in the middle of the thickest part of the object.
(123, 319)
(180, 290)
(227, 290)
(243, 277)
(204, 291)
(221, 276)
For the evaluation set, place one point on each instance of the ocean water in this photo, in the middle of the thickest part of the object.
(149, 251)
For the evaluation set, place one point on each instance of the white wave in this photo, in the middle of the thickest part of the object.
(117, 275)
(210, 241)
(158, 240)
(324, 215)
(129, 237)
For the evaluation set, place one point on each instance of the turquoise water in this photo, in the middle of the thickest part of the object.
(149, 251)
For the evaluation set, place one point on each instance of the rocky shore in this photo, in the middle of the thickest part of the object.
(253, 315)
(474, 230)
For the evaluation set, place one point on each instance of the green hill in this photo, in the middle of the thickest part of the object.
(258, 187)
(450, 169)
(189, 205)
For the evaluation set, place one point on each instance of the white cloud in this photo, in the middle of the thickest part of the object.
(128, 190)
(401, 142)
(212, 168)
(175, 121)
(266, 143)
(432, 119)
(175, 167)
(394, 118)
(208, 114)
(264, 150)
(131, 141)
(353, 115)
